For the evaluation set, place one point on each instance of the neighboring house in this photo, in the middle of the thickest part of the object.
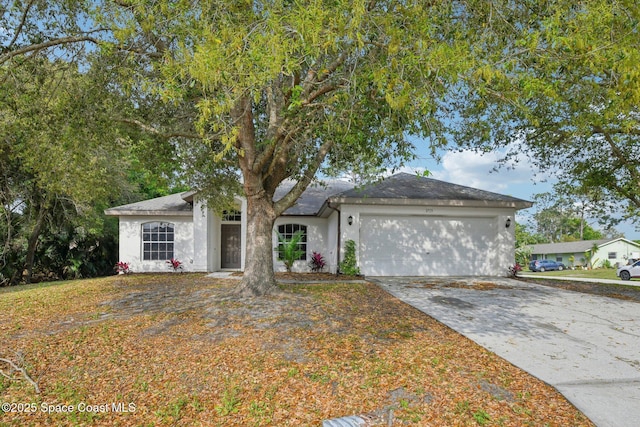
(403, 225)
(574, 254)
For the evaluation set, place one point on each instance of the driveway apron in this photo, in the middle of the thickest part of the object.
(586, 346)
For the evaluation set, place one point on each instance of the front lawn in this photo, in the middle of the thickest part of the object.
(598, 273)
(178, 349)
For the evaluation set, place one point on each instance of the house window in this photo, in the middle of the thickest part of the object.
(232, 216)
(287, 231)
(558, 259)
(613, 255)
(157, 241)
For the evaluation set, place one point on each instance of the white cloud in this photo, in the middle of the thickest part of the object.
(482, 171)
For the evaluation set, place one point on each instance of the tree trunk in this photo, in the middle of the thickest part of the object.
(258, 278)
(32, 243)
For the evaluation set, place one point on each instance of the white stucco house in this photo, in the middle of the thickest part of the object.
(403, 225)
(616, 251)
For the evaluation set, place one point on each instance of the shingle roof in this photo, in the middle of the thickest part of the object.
(173, 204)
(314, 197)
(413, 187)
(566, 247)
(400, 187)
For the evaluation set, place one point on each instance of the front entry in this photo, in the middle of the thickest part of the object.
(231, 246)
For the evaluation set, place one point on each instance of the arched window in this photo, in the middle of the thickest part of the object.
(288, 230)
(157, 241)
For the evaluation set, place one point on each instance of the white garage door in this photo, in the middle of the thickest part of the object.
(426, 246)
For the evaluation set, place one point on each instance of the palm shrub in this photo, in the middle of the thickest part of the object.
(349, 265)
(289, 249)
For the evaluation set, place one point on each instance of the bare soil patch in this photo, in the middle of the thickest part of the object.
(178, 349)
(311, 277)
(443, 283)
(627, 293)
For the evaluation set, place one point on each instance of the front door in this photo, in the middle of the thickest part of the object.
(231, 246)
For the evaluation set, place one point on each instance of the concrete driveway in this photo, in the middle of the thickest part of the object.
(586, 346)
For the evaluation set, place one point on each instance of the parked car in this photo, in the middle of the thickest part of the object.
(546, 265)
(626, 272)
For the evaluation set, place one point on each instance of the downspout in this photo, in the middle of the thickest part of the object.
(339, 236)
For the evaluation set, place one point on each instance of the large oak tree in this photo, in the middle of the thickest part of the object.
(287, 89)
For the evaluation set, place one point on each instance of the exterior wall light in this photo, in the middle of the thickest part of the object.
(508, 223)
(350, 220)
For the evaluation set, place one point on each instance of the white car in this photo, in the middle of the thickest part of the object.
(628, 271)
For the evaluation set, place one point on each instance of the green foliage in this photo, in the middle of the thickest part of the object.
(285, 90)
(349, 264)
(560, 85)
(523, 255)
(230, 401)
(481, 417)
(564, 214)
(289, 250)
(589, 257)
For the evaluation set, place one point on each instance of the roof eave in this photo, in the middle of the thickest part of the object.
(515, 204)
(130, 212)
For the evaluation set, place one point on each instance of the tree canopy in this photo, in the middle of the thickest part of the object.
(282, 90)
(63, 157)
(562, 89)
(240, 96)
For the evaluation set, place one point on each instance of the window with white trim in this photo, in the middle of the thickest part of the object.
(157, 241)
(613, 255)
(288, 230)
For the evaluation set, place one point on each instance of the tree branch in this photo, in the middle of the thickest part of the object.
(148, 128)
(623, 162)
(318, 93)
(22, 371)
(294, 194)
(49, 43)
(21, 25)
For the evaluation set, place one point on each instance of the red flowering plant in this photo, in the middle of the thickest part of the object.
(514, 270)
(174, 264)
(122, 267)
(317, 262)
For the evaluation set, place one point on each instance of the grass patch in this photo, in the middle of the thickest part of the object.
(176, 349)
(598, 273)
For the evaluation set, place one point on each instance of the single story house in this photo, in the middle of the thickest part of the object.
(616, 251)
(403, 225)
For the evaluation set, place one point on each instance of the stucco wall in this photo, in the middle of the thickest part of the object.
(130, 245)
(316, 240)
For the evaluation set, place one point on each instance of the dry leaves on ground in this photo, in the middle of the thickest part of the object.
(177, 349)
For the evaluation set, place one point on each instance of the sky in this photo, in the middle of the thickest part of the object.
(482, 171)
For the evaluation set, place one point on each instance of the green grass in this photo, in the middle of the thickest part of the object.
(599, 273)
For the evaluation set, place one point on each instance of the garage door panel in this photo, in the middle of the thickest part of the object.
(425, 246)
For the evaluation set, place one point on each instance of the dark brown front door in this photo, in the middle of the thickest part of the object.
(231, 247)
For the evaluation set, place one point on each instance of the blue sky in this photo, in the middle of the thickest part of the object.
(476, 170)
